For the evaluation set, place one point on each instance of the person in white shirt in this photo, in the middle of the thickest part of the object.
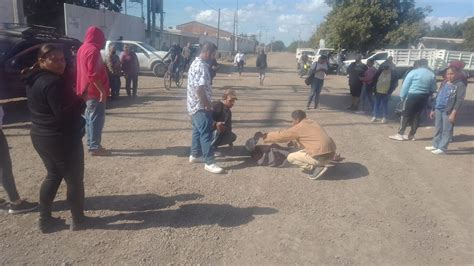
(239, 61)
(318, 70)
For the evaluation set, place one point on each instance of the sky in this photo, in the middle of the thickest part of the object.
(286, 20)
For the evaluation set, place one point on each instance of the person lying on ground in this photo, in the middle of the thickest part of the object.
(317, 149)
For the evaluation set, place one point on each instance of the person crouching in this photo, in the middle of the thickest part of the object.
(317, 149)
(222, 116)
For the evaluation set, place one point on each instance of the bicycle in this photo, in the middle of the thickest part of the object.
(177, 77)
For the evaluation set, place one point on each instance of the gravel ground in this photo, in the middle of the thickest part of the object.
(387, 203)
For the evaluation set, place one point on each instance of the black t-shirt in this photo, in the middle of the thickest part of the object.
(220, 113)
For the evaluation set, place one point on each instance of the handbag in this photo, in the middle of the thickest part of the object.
(310, 76)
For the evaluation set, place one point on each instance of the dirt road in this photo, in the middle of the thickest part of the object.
(388, 202)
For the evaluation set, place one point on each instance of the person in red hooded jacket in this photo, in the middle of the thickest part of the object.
(92, 84)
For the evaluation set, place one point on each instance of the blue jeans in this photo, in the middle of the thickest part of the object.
(316, 87)
(202, 138)
(95, 119)
(443, 130)
(366, 97)
(381, 105)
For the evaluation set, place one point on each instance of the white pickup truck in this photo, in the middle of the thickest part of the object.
(150, 59)
(405, 58)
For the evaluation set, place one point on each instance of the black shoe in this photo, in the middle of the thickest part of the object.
(23, 207)
(51, 224)
(317, 172)
(78, 224)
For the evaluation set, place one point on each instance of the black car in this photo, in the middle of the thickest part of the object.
(19, 46)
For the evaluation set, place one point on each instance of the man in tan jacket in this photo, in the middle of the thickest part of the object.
(316, 148)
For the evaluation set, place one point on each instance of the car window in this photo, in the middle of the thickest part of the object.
(137, 49)
(381, 56)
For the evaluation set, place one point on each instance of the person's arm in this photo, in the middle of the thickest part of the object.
(281, 136)
(406, 85)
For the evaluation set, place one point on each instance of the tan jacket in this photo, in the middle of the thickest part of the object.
(308, 134)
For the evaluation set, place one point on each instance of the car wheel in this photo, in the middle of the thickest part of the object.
(159, 69)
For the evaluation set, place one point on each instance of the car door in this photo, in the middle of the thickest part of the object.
(143, 57)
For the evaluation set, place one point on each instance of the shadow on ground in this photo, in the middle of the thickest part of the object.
(140, 212)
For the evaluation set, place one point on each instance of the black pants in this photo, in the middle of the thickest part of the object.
(224, 138)
(411, 115)
(128, 81)
(6, 173)
(63, 157)
(114, 85)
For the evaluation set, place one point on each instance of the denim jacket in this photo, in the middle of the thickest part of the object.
(456, 97)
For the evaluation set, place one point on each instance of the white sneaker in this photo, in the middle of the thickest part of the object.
(193, 159)
(430, 148)
(437, 151)
(397, 137)
(213, 168)
(374, 119)
(383, 120)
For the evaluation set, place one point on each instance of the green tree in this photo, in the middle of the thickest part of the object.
(365, 25)
(277, 46)
(447, 30)
(297, 44)
(468, 34)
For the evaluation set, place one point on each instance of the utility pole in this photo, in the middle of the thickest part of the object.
(237, 27)
(234, 48)
(125, 3)
(218, 27)
(162, 19)
(148, 19)
(153, 22)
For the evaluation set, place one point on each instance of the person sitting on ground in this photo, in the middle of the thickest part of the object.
(447, 104)
(222, 116)
(317, 149)
(16, 204)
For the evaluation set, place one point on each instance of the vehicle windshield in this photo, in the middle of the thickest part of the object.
(308, 53)
(148, 47)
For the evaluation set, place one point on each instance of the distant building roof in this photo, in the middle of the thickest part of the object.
(440, 43)
(205, 25)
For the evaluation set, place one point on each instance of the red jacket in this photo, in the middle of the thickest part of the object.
(90, 66)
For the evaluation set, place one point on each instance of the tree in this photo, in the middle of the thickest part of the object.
(361, 25)
(297, 44)
(468, 34)
(277, 46)
(447, 30)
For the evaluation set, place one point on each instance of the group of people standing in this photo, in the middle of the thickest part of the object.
(126, 65)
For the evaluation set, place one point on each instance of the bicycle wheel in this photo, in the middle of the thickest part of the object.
(167, 80)
(180, 80)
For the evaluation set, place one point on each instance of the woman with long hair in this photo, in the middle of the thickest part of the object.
(56, 132)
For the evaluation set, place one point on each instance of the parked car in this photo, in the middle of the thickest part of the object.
(19, 45)
(150, 59)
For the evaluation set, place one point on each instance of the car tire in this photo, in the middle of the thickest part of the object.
(159, 69)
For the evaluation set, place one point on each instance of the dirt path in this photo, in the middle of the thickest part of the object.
(388, 202)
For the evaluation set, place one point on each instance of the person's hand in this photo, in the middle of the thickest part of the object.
(452, 117)
(102, 98)
(432, 115)
(258, 135)
(220, 127)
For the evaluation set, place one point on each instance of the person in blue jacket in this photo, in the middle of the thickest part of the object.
(417, 87)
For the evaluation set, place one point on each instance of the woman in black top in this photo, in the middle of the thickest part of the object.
(56, 132)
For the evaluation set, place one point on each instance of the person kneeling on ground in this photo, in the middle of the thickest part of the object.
(222, 116)
(317, 149)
